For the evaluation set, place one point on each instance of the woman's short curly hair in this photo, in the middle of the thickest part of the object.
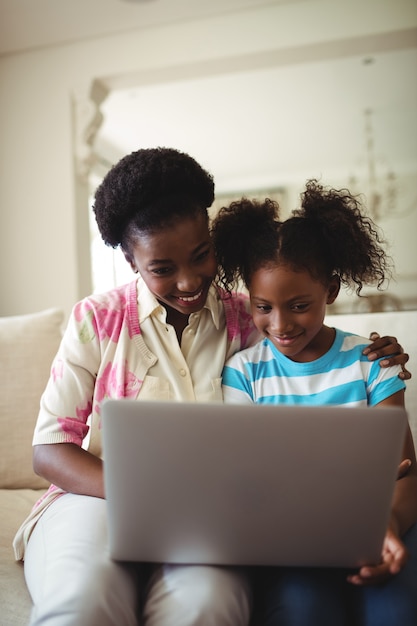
(146, 190)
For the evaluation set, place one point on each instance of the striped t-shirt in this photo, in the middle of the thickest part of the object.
(343, 376)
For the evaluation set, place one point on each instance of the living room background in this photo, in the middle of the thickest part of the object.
(49, 123)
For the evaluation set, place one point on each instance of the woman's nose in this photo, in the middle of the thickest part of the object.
(188, 282)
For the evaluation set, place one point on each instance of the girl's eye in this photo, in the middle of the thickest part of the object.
(299, 308)
(264, 308)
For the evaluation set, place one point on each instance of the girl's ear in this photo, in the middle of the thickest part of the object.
(333, 289)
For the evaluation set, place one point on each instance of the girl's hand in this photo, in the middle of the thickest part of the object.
(394, 557)
(403, 468)
(390, 348)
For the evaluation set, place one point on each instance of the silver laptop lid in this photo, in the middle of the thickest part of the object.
(254, 485)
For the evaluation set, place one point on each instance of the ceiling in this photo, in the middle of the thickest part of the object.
(251, 128)
(30, 24)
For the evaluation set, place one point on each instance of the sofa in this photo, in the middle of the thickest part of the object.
(27, 346)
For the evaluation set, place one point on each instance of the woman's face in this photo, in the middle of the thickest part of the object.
(177, 263)
(289, 308)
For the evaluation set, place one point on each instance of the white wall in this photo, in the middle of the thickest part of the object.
(44, 261)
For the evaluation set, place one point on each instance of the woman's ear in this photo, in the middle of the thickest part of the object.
(130, 261)
(333, 289)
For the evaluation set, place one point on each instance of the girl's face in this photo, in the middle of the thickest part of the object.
(177, 263)
(289, 307)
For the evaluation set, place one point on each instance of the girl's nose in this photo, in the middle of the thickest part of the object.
(280, 323)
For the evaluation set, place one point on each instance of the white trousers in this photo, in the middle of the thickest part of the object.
(73, 582)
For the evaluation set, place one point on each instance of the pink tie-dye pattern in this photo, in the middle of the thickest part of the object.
(77, 427)
(74, 427)
(85, 412)
(246, 325)
(51, 489)
(116, 382)
(238, 320)
(57, 369)
(107, 321)
(80, 311)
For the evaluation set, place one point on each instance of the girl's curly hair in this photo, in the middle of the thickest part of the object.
(328, 235)
(146, 190)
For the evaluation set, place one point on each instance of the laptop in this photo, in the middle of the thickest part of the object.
(197, 483)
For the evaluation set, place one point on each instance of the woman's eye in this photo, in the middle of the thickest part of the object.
(203, 255)
(264, 308)
(161, 271)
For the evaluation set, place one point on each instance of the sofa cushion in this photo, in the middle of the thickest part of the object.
(28, 344)
(15, 602)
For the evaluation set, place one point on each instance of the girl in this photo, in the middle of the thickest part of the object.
(166, 334)
(293, 270)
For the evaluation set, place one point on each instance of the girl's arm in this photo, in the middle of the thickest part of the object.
(403, 515)
(403, 468)
(70, 467)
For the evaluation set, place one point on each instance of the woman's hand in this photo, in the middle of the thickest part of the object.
(390, 348)
(394, 557)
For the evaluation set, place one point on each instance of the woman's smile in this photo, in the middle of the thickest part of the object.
(178, 265)
(190, 299)
(191, 303)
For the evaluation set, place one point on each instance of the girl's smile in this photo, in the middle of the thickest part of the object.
(289, 307)
(285, 341)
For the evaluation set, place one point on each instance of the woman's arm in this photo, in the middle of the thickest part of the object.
(390, 348)
(70, 467)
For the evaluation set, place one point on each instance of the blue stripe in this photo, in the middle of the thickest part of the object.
(341, 394)
(235, 379)
(260, 368)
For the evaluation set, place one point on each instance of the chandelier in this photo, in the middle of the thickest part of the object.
(379, 185)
